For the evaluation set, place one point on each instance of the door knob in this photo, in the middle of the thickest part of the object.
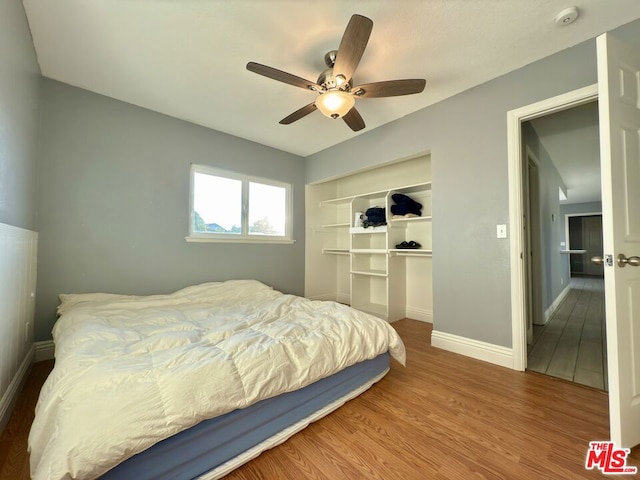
(597, 260)
(623, 261)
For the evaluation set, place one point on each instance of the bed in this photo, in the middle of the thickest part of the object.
(195, 383)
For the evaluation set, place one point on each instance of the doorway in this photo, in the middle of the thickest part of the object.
(564, 289)
(518, 165)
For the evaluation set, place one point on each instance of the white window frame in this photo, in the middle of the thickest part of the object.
(244, 236)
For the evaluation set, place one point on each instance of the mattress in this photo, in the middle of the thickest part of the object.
(216, 446)
(133, 371)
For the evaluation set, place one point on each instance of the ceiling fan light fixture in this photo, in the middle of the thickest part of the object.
(335, 103)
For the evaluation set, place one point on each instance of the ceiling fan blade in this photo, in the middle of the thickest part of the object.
(352, 46)
(298, 114)
(391, 88)
(279, 75)
(354, 120)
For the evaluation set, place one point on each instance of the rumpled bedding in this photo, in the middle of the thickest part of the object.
(133, 370)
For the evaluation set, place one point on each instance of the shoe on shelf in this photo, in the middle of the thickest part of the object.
(408, 245)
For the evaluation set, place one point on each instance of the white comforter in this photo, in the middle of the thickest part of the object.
(131, 371)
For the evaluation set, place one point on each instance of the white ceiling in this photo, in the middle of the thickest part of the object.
(571, 138)
(186, 58)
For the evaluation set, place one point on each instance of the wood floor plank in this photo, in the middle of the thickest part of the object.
(444, 416)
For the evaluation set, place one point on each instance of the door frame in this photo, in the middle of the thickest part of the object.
(532, 240)
(516, 206)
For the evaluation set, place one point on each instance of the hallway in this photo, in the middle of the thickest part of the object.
(572, 345)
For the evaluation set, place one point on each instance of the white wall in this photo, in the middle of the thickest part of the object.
(18, 255)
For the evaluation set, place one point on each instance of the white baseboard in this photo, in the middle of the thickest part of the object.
(420, 314)
(9, 398)
(333, 297)
(323, 297)
(44, 351)
(487, 352)
(556, 303)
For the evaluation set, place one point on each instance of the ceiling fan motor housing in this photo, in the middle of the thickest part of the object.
(328, 81)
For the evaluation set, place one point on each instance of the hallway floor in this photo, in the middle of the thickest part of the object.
(572, 345)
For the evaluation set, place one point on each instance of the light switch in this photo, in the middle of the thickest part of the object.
(501, 231)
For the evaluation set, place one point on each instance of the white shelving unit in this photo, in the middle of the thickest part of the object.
(363, 265)
(378, 269)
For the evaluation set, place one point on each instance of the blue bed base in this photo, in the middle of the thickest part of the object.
(213, 442)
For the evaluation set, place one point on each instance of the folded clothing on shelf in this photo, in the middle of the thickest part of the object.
(374, 217)
(405, 205)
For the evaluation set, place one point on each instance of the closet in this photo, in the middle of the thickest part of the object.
(369, 267)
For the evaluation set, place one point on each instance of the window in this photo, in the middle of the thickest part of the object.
(230, 207)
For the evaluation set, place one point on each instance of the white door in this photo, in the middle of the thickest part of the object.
(619, 105)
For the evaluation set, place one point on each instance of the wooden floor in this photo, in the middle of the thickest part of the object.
(14, 459)
(444, 416)
(572, 345)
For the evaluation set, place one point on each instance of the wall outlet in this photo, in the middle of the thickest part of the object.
(26, 331)
(501, 231)
(561, 281)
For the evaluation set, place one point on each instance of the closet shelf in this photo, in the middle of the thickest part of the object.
(337, 201)
(336, 225)
(336, 251)
(361, 230)
(370, 273)
(411, 219)
(369, 250)
(407, 252)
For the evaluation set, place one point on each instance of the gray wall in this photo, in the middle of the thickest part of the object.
(114, 203)
(467, 137)
(554, 265)
(19, 95)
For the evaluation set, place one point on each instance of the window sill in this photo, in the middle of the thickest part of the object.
(199, 239)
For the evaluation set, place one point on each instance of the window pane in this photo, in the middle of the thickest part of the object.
(217, 204)
(267, 209)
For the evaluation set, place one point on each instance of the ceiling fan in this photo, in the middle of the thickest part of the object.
(337, 95)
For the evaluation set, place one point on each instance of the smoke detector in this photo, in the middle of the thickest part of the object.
(567, 16)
